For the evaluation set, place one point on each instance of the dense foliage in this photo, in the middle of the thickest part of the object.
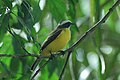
(24, 25)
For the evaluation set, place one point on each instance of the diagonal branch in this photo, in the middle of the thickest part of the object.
(92, 29)
(60, 77)
(33, 76)
(69, 50)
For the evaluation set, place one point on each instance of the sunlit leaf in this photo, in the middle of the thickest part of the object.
(8, 3)
(36, 11)
(4, 24)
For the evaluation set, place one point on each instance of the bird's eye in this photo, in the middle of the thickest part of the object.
(66, 25)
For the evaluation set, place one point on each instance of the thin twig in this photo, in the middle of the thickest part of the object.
(12, 33)
(92, 29)
(17, 40)
(32, 78)
(18, 55)
(62, 72)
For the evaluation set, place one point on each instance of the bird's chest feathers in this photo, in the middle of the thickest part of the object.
(60, 41)
(64, 36)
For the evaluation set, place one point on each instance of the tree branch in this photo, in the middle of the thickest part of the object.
(63, 70)
(19, 55)
(69, 50)
(33, 76)
(92, 29)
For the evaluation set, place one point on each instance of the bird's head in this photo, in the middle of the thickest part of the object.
(65, 24)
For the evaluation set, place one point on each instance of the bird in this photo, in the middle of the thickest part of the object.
(56, 41)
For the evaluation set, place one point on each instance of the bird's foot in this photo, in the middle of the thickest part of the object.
(62, 52)
(52, 56)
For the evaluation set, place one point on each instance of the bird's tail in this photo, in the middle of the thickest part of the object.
(36, 62)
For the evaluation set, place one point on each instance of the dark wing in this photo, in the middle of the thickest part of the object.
(51, 38)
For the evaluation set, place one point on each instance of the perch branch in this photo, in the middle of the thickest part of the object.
(69, 50)
(18, 55)
(92, 29)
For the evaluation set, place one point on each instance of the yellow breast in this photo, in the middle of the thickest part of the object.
(59, 43)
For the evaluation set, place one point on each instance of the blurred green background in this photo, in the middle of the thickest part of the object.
(96, 58)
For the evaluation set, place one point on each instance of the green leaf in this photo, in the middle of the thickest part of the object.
(54, 76)
(8, 3)
(15, 64)
(19, 41)
(4, 24)
(28, 19)
(5, 67)
(57, 9)
(7, 47)
(45, 74)
(71, 10)
(36, 11)
(2, 8)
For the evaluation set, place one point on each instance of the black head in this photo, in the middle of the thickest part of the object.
(65, 24)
